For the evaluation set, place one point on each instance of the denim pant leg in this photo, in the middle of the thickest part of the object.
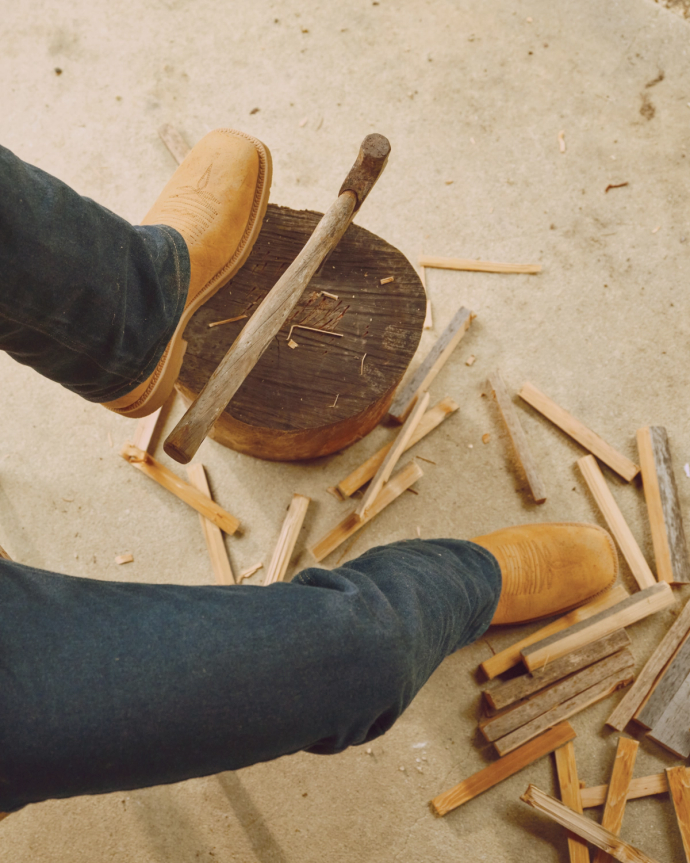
(112, 686)
(86, 299)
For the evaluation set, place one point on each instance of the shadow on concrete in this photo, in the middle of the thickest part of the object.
(263, 842)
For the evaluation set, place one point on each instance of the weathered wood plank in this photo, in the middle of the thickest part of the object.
(431, 420)
(616, 523)
(579, 432)
(666, 687)
(656, 663)
(632, 609)
(679, 786)
(616, 798)
(512, 655)
(521, 687)
(584, 827)
(431, 365)
(569, 784)
(672, 730)
(518, 437)
(499, 726)
(663, 506)
(566, 709)
(502, 769)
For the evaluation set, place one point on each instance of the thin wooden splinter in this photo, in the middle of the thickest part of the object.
(228, 321)
(392, 457)
(313, 330)
(193, 497)
(476, 266)
(518, 438)
(248, 573)
(287, 539)
(212, 534)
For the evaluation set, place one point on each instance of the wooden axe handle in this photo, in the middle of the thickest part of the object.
(188, 435)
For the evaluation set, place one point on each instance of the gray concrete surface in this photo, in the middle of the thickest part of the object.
(472, 96)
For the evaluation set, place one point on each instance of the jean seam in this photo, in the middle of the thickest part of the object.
(171, 239)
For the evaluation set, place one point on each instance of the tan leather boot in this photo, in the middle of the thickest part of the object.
(549, 568)
(217, 200)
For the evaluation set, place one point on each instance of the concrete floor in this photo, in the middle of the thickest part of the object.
(472, 96)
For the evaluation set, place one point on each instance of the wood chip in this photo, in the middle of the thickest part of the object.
(387, 280)
(329, 294)
(228, 321)
(124, 558)
(361, 368)
(292, 344)
(470, 360)
(486, 437)
(248, 573)
(561, 141)
(289, 533)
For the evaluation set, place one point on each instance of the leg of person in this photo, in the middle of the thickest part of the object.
(100, 306)
(113, 686)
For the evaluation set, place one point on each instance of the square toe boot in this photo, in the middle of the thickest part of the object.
(549, 568)
(216, 200)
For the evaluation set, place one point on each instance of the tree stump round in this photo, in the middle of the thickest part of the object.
(329, 376)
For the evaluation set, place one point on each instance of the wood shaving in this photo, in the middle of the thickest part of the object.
(249, 572)
(292, 344)
(421, 458)
(124, 558)
(387, 280)
(332, 296)
(361, 368)
(227, 321)
(336, 401)
(110, 440)
(561, 141)
(658, 228)
(615, 186)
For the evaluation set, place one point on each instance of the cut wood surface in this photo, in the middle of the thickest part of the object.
(616, 523)
(521, 687)
(174, 142)
(518, 438)
(645, 786)
(431, 365)
(679, 786)
(402, 480)
(476, 266)
(512, 655)
(634, 608)
(579, 432)
(663, 506)
(656, 663)
(287, 538)
(666, 687)
(566, 709)
(212, 533)
(569, 784)
(672, 730)
(494, 773)
(584, 827)
(617, 795)
(499, 726)
(431, 420)
(400, 444)
(282, 411)
(193, 497)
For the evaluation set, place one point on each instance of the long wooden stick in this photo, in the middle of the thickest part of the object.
(146, 427)
(431, 419)
(159, 473)
(577, 430)
(645, 786)
(584, 827)
(663, 506)
(402, 480)
(476, 266)
(287, 538)
(212, 533)
(512, 691)
(665, 687)
(656, 663)
(616, 523)
(617, 795)
(679, 786)
(502, 769)
(392, 456)
(672, 730)
(634, 608)
(431, 365)
(277, 305)
(512, 655)
(566, 767)
(518, 438)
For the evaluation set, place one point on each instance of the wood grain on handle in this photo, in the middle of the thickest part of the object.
(188, 435)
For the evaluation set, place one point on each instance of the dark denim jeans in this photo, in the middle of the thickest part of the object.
(109, 686)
